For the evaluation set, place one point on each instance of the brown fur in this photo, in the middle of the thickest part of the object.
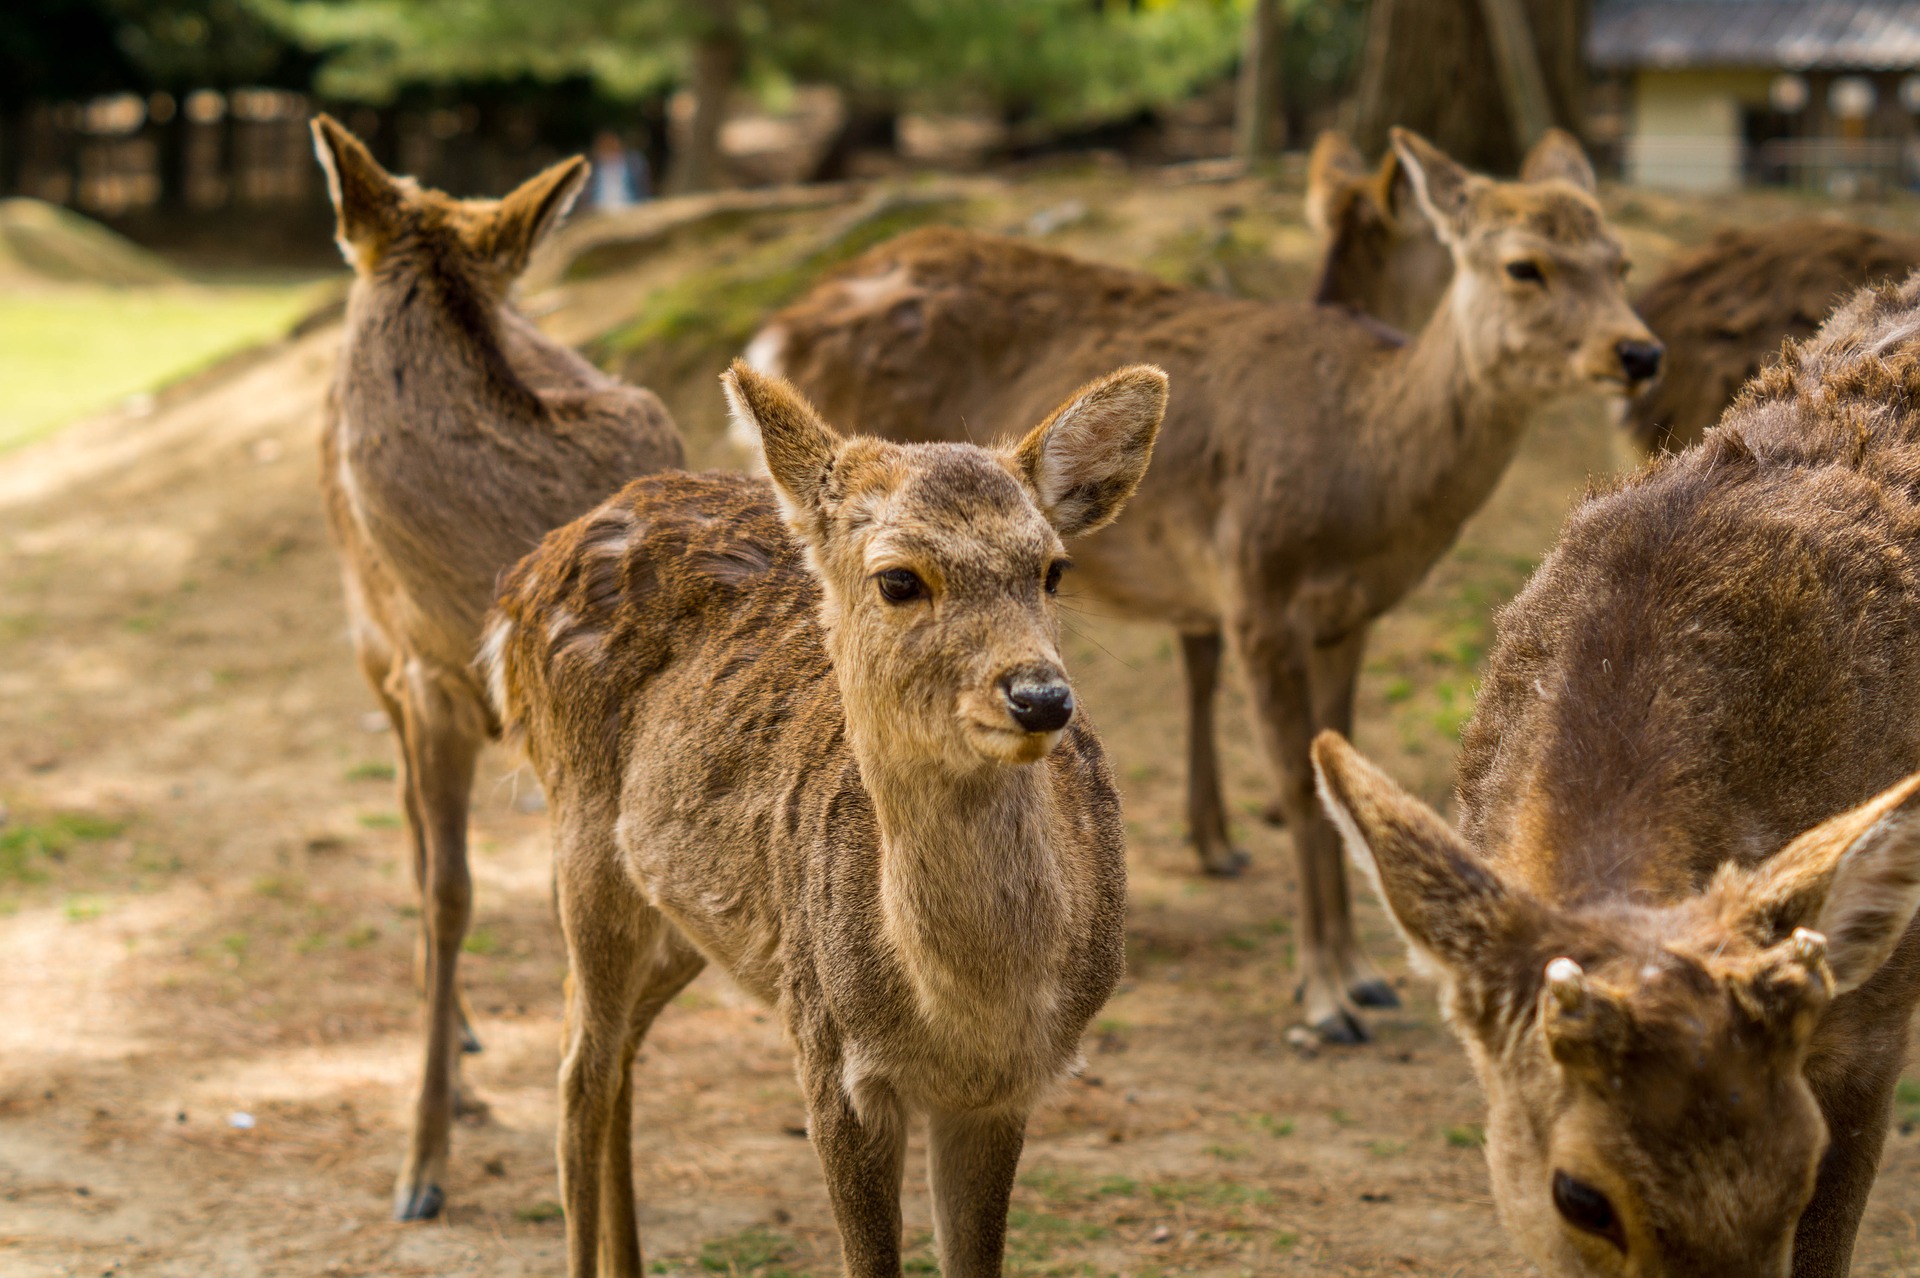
(455, 436)
(1310, 470)
(1718, 656)
(1725, 309)
(757, 760)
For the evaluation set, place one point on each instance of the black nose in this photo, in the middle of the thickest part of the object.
(1040, 703)
(1639, 360)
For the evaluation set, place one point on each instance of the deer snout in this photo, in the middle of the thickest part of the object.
(1039, 699)
(1639, 361)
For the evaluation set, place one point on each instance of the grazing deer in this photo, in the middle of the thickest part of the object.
(1725, 308)
(1675, 929)
(455, 437)
(1313, 466)
(818, 732)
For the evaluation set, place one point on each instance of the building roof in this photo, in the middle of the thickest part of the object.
(1794, 35)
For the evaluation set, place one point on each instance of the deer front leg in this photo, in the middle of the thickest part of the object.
(1854, 1087)
(1277, 671)
(1206, 810)
(442, 741)
(1332, 671)
(862, 1151)
(971, 1160)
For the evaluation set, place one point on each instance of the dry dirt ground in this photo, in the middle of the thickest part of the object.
(204, 914)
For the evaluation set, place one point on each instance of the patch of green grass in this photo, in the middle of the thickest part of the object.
(380, 820)
(1906, 1100)
(481, 941)
(753, 1250)
(371, 770)
(1386, 1148)
(1228, 1153)
(540, 1212)
(1268, 1123)
(1466, 1135)
(25, 845)
(83, 909)
(69, 351)
(359, 938)
(1208, 1193)
(1036, 1235)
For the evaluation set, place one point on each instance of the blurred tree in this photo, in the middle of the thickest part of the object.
(1481, 78)
(1260, 114)
(1057, 61)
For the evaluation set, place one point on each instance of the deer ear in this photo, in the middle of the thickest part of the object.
(1334, 168)
(1558, 154)
(1452, 908)
(800, 448)
(366, 200)
(1442, 187)
(530, 212)
(1085, 460)
(1854, 878)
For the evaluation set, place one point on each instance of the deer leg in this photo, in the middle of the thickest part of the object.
(1332, 671)
(1206, 810)
(971, 1160)
(1277, 671)
(862, 1149)
(442, 743)
(1854, 1088)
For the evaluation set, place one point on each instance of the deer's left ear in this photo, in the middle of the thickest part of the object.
(1085, 460)
(1855, 878)
(530, 213)
(800, 447)
(1558, 154)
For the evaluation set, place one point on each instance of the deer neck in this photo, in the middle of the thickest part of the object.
(437, 335)
(972, 897)
(1448, 429)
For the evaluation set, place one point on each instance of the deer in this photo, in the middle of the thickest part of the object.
(1674, 926)
(454, 437)
(1312, 467)
(817, 731)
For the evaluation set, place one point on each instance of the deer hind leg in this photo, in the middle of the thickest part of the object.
(971, 1162)
(1206, 810)
(1332, 671)
(441, 741)
(1277, 670)
(862, 1148)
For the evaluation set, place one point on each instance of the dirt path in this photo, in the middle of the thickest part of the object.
(206, 915)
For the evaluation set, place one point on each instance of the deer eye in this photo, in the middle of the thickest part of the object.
(900, 585)
(1054, 570)
(1526, 271)
(1587, 1209)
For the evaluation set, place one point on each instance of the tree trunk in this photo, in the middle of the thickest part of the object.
(717, 62)
(1431, 66)
(1260, 123)
(871, 124)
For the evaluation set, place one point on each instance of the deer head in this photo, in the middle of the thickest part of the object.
(380, 216)
(1645, 1065)
(1538, 296)
(938, 562)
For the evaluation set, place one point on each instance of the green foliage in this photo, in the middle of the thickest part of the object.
(23, 846)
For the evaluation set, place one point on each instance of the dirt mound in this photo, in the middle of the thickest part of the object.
(1724, 309)
(44, 243)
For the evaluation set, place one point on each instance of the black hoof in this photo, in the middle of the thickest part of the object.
(425, 1204)
(1227, 865)
(1373, 994)
(1341, 1028)
(469, 1041)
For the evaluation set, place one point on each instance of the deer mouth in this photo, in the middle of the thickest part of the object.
(1006, 743)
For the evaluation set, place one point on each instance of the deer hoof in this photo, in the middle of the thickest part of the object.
(1341, 1028)
(1374, 993)
(1226, 863)
(469, 1041)
(422, 1204)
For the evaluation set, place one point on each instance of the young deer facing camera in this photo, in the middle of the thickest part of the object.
(1312, 467)
(1676, 930)
(455, 437)
(819, 733)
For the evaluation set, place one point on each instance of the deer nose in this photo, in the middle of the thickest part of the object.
(1640, 361)
(1038, 701)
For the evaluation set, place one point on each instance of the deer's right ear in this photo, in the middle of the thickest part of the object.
(366, 200)
(1452, 908)
(1334, 168)
(1442, 187)
(1085, 460)
(800, 448)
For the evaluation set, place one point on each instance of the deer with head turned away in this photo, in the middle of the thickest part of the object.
(818, 732)
(455, 437)
(1312, 467)
(1675, 928)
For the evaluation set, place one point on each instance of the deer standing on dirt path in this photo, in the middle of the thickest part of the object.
(1312, 467)
(818, 732)
(1675, 930)
(455, 437)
